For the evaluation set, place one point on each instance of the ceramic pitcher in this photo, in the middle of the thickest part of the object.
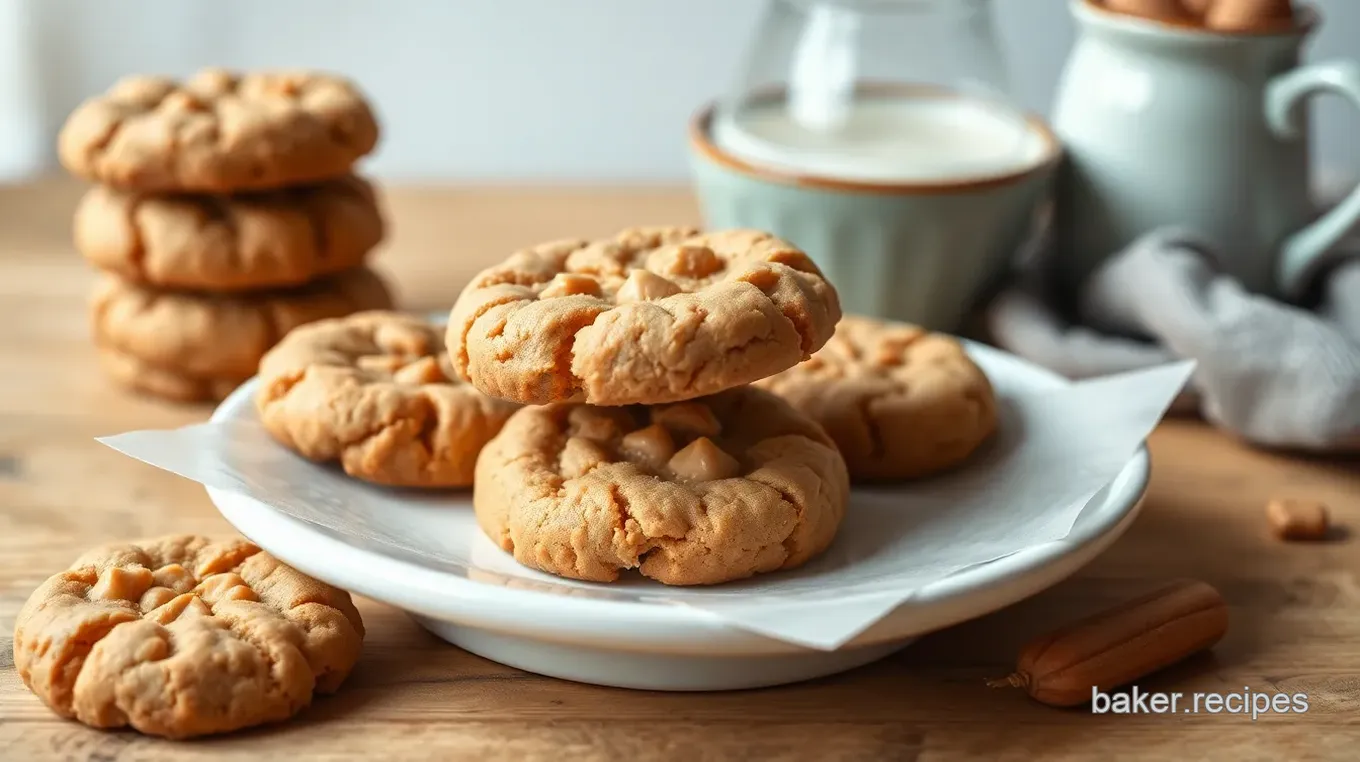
(1171, 125)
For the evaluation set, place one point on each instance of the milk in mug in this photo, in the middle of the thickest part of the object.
(911, 201)
(883, 139)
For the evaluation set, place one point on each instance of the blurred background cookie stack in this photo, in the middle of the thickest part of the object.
(226, 214)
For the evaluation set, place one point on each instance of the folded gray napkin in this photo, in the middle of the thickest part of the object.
(1277, 375)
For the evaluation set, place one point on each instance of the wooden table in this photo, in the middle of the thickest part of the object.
(1295, 608)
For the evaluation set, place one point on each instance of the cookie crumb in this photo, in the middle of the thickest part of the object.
(1295, 519)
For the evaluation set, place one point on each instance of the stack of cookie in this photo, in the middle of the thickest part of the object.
(646, 448)
(227, 214)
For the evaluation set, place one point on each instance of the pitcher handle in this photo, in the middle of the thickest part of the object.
(1302, 253)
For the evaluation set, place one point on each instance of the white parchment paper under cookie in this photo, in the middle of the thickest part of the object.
(1057, 446)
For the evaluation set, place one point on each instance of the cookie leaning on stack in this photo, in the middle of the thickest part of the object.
(900, 402)
(375, 391)
(691, 476)
(227, 214)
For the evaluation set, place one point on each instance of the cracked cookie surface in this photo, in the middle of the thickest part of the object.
(184, 636)
(269, 239)
(900, 402)
(375, 391)
(219, 131)
(651, 315)
(691, 493)
(220, 336)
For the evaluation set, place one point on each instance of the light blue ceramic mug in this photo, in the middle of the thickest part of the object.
(921, 250)
(1166, 124)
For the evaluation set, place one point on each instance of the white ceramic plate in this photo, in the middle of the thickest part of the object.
(619, 637)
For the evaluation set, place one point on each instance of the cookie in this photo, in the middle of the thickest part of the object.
(651, 315)
(184, 636)
(270, 239)
(692, 493)
(220, 336)
(219, 132)
(1161, 10)
(131, 373)
(899, 402)
(1249, 15)
(375, 391)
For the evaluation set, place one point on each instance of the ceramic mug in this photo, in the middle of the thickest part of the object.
(921, 252)
(1165, 124)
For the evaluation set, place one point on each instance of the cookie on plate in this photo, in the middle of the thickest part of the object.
(220, 336)
(270, 239)
(219, 132)
(166, 383)
(375, 391)
(649, 316)
(691, 493)
(900, 402)
(184, 636)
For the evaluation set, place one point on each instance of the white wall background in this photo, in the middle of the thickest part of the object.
(504, 90)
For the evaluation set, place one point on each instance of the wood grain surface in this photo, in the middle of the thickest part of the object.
(1295, 608)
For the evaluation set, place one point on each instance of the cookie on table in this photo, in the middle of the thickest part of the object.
(651, 315)
(184, 636)
(269, 239)
(219, 132)
(375, 392)
(690, 493)
(165, 383)
(900, 402)
(220, 336)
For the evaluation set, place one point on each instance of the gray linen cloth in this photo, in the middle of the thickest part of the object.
(1277, 375)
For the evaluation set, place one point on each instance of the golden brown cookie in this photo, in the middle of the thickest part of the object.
(898, 401)
(270, 239)
(166, 383)
(219, 132)
(220, 336)
(651, 315)
(184, 636)
(375, 391)
(1161, 10)
(692, 493)
(1249, 15)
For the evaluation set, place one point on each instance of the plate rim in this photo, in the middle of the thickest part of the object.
(634, 625)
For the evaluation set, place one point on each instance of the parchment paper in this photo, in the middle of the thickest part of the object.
(1057, 446)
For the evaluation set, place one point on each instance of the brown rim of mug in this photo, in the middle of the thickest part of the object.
(1306, 20)
(702, 120)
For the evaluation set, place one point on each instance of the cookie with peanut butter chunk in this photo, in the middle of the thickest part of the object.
(651, 315)
(900, 402)
(692, 493)
(184, 636)
(375, 392)
(219, 132)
